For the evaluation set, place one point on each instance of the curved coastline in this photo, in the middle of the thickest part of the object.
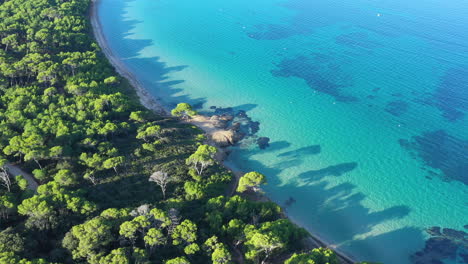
(146, 99)
(203, 122)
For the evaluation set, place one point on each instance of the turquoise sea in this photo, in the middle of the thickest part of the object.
(365, 104)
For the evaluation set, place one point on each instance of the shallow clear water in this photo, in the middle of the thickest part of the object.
(365, 103)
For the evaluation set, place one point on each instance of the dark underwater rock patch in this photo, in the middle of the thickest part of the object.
(397, 108)
(263, 142)
(444, 244)
(451, 96)
(441, 151)
(320, 72)
(290, 201)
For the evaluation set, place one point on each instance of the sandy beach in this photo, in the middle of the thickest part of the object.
(205, 123)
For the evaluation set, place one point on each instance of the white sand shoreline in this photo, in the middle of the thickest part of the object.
(151, 103)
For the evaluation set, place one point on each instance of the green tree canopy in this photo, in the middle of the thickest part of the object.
(11, 241)
(89, 240)
(178, 260)
(183, 110)
(315, 256)
(251, 180)
(202, 158)
(185, 233)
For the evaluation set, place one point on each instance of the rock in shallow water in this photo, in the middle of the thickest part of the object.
(444, 244)
(263, 142)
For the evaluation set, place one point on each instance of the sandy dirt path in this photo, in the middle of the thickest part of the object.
(15, 171)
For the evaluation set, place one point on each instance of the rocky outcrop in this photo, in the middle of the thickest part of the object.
(223, 138)
(221, 121)
(228, 136)
(226, 127)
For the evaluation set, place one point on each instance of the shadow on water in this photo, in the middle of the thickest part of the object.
(278, 145)
(152, 72)
(400, 238)
(310, 150)
(333, 170)
(337, 210)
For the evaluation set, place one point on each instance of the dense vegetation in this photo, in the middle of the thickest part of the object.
(118, 184)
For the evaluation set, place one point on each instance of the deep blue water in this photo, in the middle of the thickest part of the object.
(365, 104)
